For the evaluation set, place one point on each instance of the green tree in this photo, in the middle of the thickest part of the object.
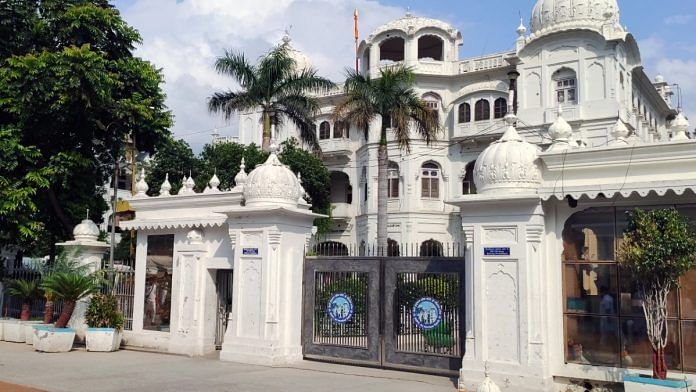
(174, 158)
(72, 93)
(658, 248)
(276, 87)
(391, 98)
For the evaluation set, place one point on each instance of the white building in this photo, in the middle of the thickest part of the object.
(536, 198)
(576, 55)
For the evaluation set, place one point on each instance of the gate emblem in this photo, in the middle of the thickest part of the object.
(340, 308)
(427, 313)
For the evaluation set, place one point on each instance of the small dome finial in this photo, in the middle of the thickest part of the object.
(521, 29)
(214, 183)
(166, 187)
(141, 187)
(560, 132)
(680, 127)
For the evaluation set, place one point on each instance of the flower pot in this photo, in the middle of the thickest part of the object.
(103, 339)
(53, 340)
(15, 330)
(644, 383)
(29, 332)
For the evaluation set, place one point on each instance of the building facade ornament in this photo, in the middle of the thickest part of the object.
(86, 231)
(166, 187)
(272, 184)
(141, 187)
(558, 15)
(214, 183)
(680, 127)
(508, 164)
(560, 132)
(620, 134)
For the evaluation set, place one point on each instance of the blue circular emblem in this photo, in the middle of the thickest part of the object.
(340, 308)
(427, 313)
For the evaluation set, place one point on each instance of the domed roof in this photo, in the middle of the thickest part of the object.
(553, 15)
(272, 184)
(302, 61)
(411, 24)
(508, 165)
(86, 231)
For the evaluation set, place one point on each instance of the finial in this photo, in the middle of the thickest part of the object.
(87, 215)
(273, 148)
(286, 35)
(242, 165)
(141, 187)
(214, 183)
(680, 127)
(241, 177)
(409, 14)
(521, 29)
(560, 132)
(166, 187)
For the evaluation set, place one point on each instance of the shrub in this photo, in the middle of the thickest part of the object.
(103, 312)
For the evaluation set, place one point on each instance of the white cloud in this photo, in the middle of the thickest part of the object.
(682, 72)
(651, 48)
(184, 38)
(678, 19)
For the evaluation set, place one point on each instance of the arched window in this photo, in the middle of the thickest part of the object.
(393, 180)
(392, 49)
(431, 47)
(603, 316)
(363, 180)
(432, 101)
(340, 191)
(566, 85)
(482, 110)
(430, 181)
(393, 248)
(324, 130)
(431, 248)
(468, 184)
(340, 130)
(500, 108)
(464, 113)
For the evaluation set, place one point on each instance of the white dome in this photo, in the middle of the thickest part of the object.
(508, 164)
(272, 184)
(302, 61)
(86, 231)
(553, 15)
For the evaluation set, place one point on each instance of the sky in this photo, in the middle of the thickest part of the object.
(184, 37)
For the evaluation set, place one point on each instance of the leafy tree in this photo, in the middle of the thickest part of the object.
(276, 87)
(175, 158)
(658, 248)
(72, 93)
(391, 98)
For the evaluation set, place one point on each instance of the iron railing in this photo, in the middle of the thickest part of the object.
(428, 248)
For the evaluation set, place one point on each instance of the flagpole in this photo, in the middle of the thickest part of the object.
(357, 36)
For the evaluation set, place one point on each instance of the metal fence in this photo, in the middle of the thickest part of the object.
(29, 270)
(120, 282)
(428, 248)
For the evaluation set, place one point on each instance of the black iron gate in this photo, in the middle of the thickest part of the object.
(405, 313)
(224, 304)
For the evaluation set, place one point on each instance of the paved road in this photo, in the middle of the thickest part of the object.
(134, 371)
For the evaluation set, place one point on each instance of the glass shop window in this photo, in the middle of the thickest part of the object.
(158, 282)
(603, 314)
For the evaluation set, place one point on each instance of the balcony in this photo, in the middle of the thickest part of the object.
(432, 67)
(478, 129)
(342, 211)
(336, 148)
(482, 64)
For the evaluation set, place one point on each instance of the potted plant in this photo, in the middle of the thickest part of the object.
(69, 287)
(105, 323)
(658, 248)
(27, 291)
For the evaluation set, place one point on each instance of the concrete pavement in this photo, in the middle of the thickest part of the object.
(135, 371)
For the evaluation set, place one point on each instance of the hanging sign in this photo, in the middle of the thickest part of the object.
(250, 251)
(340, 308)
(496, 251)
(427, 313)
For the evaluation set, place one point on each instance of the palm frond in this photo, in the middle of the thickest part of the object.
(71, 286)
(236, 65)
(24, 289)
(305, 81)
(231, 102)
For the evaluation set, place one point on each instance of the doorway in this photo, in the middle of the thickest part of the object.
(223, 284)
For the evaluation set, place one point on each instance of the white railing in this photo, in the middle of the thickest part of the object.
(342, 210)
(482, 63)
(335, 146)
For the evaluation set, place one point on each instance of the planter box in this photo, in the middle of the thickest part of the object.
(642, 383)
(53, 340)
(29, 332)
(103, 339)
(15, 330)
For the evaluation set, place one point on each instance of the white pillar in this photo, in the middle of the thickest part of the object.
(265, 325)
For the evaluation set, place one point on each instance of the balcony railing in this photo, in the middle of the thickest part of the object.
(333, 147)
(342, 211)
(482, 63)
(478, 129)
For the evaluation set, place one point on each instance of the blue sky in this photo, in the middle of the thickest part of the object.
(183, 37)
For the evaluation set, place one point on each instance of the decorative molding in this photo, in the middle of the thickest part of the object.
(468, 232)
(534, 233)
(274, 237)
(500, 235)
(173, 223)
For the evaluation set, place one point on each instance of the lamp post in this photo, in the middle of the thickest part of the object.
(513, 76)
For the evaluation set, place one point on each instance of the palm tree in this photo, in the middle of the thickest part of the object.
(70, 287)
(275, 86)
(392, 98)
(26, 290)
